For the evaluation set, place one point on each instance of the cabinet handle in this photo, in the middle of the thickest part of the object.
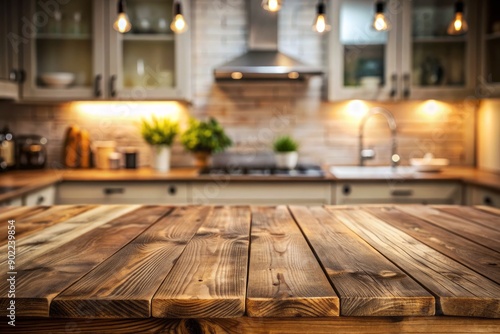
(111, 191)
(20, 76)
(406, 84)
(172, 190)
(97, 85)
(346, 190)
(40, 200)
(112, 90)
(402, 192)
(394, 83)
(488, 201)
(13, 76)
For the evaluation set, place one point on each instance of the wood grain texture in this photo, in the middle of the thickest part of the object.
(40, 217)
(489, 209)
(123, 285)
(42, 278)
(482, 235)
(209, 279)
(481, 259)
(285, 279)
(488, 219)
(459, 291)
(55, 236)
(341, 325)
(367, 283)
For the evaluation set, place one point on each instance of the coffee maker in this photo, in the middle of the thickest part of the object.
(31, 152)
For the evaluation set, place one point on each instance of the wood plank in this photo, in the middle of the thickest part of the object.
(123, 285)
(344, 325)
(459, 291)
(285, 279)
(487, 219)
(368, 284)
(209, 279)
(482, 235)
(481, 259)
(39, 218)
(489, 209)
(42, 278)
(55, 236)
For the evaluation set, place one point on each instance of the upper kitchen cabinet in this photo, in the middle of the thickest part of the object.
(150, 61)
(76, 54)
(490, 49)
(414, 59)
(10, 45)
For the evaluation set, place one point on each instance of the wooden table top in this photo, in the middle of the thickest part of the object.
(133, 262)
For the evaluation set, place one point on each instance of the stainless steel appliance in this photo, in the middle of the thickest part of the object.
(269, 170)
(31, 152)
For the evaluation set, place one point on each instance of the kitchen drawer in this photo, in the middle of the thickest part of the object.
(483, 196)
(122, 193)
(45, 196)
(400, 192)
(261, 193)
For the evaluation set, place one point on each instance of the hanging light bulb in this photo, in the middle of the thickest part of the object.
(380, 22)
(178, 24)
(320, 23)
(122, 23)
(271, 5)
(458, 25)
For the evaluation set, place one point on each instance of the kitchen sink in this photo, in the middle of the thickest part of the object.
(372, 171)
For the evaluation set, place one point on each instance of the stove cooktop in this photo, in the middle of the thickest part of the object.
(299, 171)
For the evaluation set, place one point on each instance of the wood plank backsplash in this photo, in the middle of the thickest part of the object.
(256, 112)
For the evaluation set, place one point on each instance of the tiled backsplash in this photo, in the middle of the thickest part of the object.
(256, 112)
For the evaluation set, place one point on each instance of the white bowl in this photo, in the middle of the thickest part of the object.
(429, 165)
(57, 79)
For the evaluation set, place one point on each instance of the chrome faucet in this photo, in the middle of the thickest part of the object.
(366, 154)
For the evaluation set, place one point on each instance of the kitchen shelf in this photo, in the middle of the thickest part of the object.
(64, 36)
(149, 37)
(439, 39)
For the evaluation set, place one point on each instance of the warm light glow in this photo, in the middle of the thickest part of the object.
(458, 26)
(293, 75)
(320, 24)
(129, 110)
(271, 5)
(236, 75)
(380, 22)
(430, 107)
(433, 110)
(356, 109)
(396, 158)
(179, 25)
(122, 23)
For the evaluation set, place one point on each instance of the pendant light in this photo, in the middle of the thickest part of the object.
(122, 23)
(178, 24)
(320, 23)
(458, 25)
(380, 22)
(271, 5)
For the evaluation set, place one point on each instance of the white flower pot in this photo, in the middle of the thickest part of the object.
(161, 158)
(286, 159)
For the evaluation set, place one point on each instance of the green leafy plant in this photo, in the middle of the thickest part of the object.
(285, 144)
(159, 131)
(208, 137)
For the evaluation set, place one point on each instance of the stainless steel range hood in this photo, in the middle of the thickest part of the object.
(263, 60)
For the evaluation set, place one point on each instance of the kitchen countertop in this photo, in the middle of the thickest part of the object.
(28, 181)
(197, 269)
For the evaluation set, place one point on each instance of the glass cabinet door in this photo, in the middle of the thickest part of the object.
(491, 43)
(145, 61)
(9, 49)
(64, 58)
(366, 57)
(437, 61)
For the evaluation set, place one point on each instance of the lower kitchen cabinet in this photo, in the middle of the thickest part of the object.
(122, 193)
(483, 196)
(397, 192)
(44, 196)
(261, 193)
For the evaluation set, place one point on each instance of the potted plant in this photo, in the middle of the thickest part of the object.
(160, 134)
(285, 149)
(203, 139)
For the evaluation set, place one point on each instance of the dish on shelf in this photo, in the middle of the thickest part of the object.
(57, 79)
(429, 164)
